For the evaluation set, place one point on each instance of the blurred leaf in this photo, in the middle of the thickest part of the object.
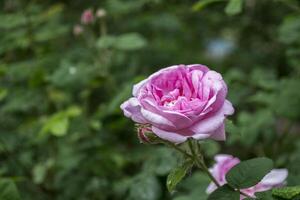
(248, 173)
(144, 187)
(224, 193)
(234, 7)
(161, 161)
(203, 3)
(290, 29)
(178, 174)
(105, 42)
(130, 41)
(3, 93)
(58, 125)
(288, 97)
(210, 147)
(8, 190)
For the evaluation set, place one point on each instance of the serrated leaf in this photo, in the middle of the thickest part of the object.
(224, 193)
(177, 174)
(248, 173)
(286, 192)
(234, 7)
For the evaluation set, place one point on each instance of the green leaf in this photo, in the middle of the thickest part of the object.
(286, 192)
(248, 173)
(203, 3)
(8, 190)
(224, 193)
(177, 174)
(234, 7)
(3, 93)
(130, 41)
(105, 42)
(267, 195)
(57, 124)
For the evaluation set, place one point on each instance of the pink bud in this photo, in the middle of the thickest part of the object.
(77, 30)
(146, 135)
(87, 17)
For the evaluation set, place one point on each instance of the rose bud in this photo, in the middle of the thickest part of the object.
(77, 30)
(87, 17)
(146, 135)
(100, 13)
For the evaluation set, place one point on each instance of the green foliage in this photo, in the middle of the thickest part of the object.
(234, 7)
(224, 193)
(177, 174)
(286, 192)
(63, 135)
(8, 190)
(248, 173)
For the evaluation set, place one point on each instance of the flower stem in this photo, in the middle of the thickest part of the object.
(201, 164)
(172, 145)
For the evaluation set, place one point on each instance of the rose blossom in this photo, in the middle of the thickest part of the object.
(87, 17)
(181, 102)
(225, 162)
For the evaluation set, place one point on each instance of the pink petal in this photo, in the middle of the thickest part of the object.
(180, 120)
(170, 136)
(157, 119)
(132, 109)
(275, 177)
(219, 134)
(212, 123)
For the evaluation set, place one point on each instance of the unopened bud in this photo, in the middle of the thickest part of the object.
(77, 30)
(101, 13)
(146, 135)
(87, 17)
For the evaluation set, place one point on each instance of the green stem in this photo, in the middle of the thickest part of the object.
(201, 164)
(170, 144)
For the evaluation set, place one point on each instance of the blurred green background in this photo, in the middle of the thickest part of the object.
(62, 133)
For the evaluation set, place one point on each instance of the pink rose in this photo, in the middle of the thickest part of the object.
(181, 102)
(224, 163)
(87, 17)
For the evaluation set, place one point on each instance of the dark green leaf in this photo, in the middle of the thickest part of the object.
(264, 195)
(248, 173)
(224, 193)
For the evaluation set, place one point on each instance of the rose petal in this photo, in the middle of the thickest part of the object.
(219, 134)
(170, 136)
(132, 109)
(157, 119)
(275, 177)
(180, 120)
(212, 123)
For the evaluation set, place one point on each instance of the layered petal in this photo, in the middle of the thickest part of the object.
(132, 109)
(213, 124)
